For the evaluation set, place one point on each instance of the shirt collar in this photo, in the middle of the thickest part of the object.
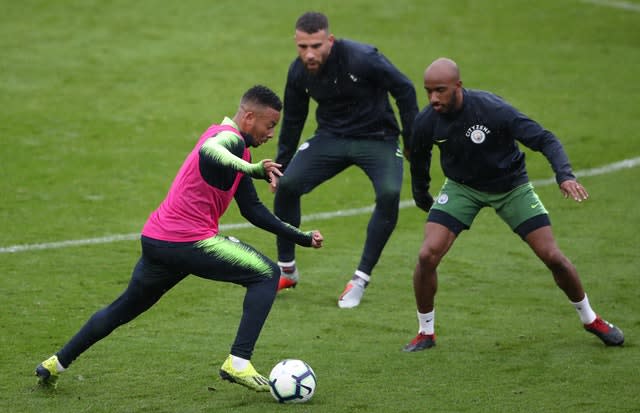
(248, 139)
(229, 122)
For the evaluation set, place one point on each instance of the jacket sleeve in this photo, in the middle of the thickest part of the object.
(225, 151)
(296, 109)
(420, 164)
(255, 212)
(535, 137)
(402, 90)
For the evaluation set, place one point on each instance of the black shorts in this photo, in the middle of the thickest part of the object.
(219, 258)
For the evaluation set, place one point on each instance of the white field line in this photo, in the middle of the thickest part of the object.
(616, 166)
(624, 5)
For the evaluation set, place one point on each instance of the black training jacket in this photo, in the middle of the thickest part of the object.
(478, 145)
(351, 91)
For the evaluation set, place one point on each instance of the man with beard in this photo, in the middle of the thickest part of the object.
(351, 83)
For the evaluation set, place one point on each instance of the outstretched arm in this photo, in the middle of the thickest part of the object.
(255, 212)
(534, 136)
(224, 151)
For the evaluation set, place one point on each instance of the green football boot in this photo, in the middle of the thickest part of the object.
(48, 373)
(248, 377)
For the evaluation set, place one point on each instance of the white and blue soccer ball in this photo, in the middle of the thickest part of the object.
(292, 381)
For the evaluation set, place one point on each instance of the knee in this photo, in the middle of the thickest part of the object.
(388, 198)
(273, 275)
(428, 258)
(274, 270)
(556, 261)
(289, 185)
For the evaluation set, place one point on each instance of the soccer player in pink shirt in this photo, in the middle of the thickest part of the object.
(181, 238)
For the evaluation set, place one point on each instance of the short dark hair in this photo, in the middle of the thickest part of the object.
(312, 22)
(262, 96)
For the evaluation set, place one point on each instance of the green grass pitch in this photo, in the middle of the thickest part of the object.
(101, 101)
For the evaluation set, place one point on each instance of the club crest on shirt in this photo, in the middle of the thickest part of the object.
(477, 133)
(443, 199)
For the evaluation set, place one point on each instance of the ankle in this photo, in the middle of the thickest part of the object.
(361, 278)
(287, 267)
(239, 363)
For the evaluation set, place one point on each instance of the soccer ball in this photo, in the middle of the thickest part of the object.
(292, 381)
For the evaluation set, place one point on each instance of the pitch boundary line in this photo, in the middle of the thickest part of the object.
(623, 5)
(616, 166)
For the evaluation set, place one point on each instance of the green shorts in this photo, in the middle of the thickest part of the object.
(463, 203)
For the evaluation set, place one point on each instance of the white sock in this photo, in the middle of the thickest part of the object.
(282, 264)
(426, 322)
(361, 278)
(239, 363)
(587, 315)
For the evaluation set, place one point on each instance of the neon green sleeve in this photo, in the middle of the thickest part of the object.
(225, 150)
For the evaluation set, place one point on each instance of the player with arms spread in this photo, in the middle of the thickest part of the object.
(181, 238)
(477, 134)
(351, 83)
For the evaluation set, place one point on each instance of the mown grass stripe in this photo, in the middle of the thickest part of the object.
(623, 5)
(602, 170)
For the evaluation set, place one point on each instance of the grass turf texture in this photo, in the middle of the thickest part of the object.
(101, 102)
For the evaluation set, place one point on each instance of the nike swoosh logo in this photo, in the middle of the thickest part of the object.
(535, 205)
(441, 140)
